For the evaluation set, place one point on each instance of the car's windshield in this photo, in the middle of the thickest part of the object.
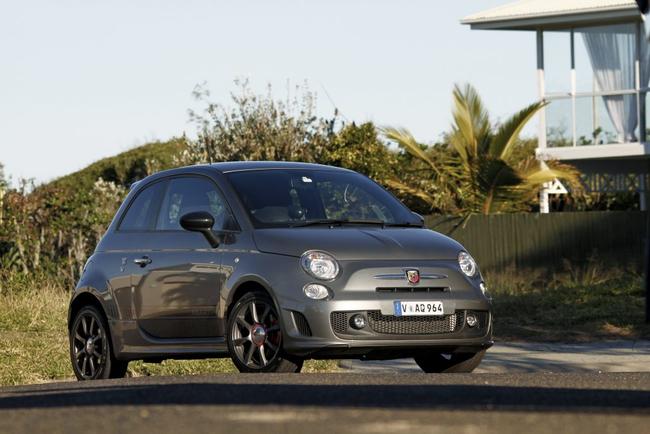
(292, 197)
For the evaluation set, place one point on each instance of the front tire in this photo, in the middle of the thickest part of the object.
(449, 363)
(91, 351)
(255, 337)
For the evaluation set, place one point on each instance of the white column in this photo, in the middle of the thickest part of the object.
(541, 135)
(544, 206)
(573, 91)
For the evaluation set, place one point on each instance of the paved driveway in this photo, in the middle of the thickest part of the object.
(607, 356)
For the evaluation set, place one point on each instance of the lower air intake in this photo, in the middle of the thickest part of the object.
(301, 323)
(400, 325)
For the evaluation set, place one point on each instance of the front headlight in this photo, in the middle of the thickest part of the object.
(320, 265)
(467, 264)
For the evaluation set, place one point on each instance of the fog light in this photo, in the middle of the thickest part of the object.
(315, 291)
(358, 321)
(483, 287)
(472, 320)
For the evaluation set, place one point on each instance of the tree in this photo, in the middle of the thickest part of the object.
(420, 180)
(4, 184)
(358, 147)
(3, 179)
(484, 172)
(258, 127)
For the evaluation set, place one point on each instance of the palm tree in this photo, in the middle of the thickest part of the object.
(483, 172)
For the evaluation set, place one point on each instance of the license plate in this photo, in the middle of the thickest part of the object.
(418, 308)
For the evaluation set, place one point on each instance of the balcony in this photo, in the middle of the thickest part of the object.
(594, 80)
(582, 127)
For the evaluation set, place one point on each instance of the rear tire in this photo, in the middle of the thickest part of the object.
(432, 363)
(255, 336)
(91, 350)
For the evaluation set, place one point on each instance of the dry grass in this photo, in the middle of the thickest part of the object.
(33, 339)
(34, 343)
(578, 304)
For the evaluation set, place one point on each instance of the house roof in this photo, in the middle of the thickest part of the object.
(530, 14)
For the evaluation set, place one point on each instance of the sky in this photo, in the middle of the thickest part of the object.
(83, 80)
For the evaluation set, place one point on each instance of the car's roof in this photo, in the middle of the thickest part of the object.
(241, 166)
(237, 166)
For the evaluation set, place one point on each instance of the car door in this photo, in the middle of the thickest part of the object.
(178, 284)
(132, 241)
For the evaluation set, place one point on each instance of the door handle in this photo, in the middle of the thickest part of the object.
(142, 262)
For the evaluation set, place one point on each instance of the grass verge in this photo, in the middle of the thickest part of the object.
(594, 303)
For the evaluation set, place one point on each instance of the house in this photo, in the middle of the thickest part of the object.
(593, 69)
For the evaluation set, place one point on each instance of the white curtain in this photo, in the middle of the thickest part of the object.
(612, 52)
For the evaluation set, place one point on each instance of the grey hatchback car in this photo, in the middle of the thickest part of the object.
(272, 263)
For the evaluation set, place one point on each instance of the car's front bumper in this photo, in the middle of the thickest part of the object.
(365, 286)
(321, 329)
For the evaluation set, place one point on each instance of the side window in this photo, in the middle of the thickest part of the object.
(142, 213)
(192, 194)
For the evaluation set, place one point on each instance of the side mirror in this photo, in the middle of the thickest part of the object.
(201, 222)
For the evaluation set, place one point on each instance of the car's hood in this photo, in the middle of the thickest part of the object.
(350, 243)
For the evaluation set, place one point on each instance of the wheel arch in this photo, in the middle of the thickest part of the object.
(245, 285)
(82, 299)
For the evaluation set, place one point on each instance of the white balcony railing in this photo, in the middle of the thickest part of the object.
(598, 118)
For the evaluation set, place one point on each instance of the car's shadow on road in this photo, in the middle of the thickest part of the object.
(425, 397)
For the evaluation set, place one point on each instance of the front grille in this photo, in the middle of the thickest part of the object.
(301, 323)
(400, 325)
(414, 325)
(413, 289)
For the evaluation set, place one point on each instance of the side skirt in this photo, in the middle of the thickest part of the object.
(132, 343)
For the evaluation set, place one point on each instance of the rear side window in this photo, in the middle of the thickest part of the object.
(142, 213)
(192, 194)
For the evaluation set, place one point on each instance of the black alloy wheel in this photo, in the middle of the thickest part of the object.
(90, 347)
(255, 336)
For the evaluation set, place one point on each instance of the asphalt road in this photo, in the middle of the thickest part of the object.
(535, 357)
(331, 403)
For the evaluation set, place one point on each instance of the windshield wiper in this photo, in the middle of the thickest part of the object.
(404, 225)
(337, 222)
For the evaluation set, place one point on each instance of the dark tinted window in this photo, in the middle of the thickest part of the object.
(288, 197)
(191, 194)
(141, 215)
